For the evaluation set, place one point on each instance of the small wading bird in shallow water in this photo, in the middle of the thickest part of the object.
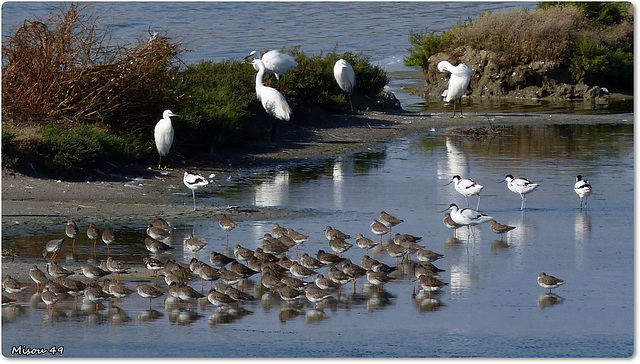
(467, 188)
(521, 186)
(458, 83)
(550, 282)
(163, 135)
(194, 181)
(583, 189)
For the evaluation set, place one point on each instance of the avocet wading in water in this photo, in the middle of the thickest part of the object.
(194, 181)
(275, 62)
(458, 83)
(583, 189)
(163, 135)
(345, 77)
(521, 186)
(467, 217)
(467, 188)
(272, 100)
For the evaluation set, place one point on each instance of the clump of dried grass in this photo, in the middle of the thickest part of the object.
(65, 68)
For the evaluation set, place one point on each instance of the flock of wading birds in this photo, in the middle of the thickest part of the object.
(271, 260)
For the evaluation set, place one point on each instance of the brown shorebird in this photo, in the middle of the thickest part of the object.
(328, 258)
(119, 290)
(160, 223)
(157, 233)
(153, 264)
(194, 244)
(331, 233)
(389, 221)
(93, 272)
(499, 228)
(93, 233)
(550, 282)
(353, 270)
(430, 283)
(339, 245)
(74, 288)
(426, 255)
(219, 260)
(37, 276)
(278, 230)
(377, 279)
(242, 254)
(108, 237)
(310, 262)
(396, 251)
(155, 246)
(379, 229)
(188, 294)
(72, 231)
(12, 286)
(49, 298)
(316, 295)
(148, 291)
(94, 293)
(52, 246)
(288, 293)
(299, 271)
(297, 237)
(326, 283)
(56, 271)
(365, 243)
(449, 223)
(227, 225)
(219, 299)
(116, 266)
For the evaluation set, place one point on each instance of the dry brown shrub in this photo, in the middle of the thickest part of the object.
(66, 68)
(523, 36)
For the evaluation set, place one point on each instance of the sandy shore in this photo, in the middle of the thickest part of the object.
(140, 193)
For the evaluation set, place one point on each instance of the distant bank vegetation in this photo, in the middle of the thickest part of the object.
(560, 49)
(72, 100)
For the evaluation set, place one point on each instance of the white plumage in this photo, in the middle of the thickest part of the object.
(458, 83)
(276, 62)
(521, 186)
(467, 188)
(345, 77)
(272, 100)
(583, 189)
(194, 181)
(467, 217)
(163, 134)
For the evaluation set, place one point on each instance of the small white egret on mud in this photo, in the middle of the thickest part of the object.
(163, 134)
(345, 76)
(272, 100)
(458, 83)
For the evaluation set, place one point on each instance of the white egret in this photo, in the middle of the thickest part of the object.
(583, 189)
(276, 62)
(163, 134)
(272, 100)
(194, 181)
(458, 83)
(345, 76)
(521, 186)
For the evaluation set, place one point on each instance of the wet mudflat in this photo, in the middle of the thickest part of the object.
(492, 306)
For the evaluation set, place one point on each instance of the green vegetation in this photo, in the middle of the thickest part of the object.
(85, 101)
(593, 39)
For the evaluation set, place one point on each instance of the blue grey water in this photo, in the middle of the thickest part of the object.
(492, 306)
(230, 30)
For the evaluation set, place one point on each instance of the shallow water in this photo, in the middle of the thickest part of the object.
(492, 306)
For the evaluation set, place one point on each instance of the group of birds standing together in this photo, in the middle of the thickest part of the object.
(272, 100)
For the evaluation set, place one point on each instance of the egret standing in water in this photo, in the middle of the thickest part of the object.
(163, 134)
(276, 62)
(458, 83)
(345, 77)
(272, 100)
(194, 181)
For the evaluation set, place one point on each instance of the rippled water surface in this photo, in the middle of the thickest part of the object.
(492, 306)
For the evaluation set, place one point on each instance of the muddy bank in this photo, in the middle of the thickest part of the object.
(139, 193)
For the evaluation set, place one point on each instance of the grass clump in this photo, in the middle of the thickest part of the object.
(593, 40)
(9, 149)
